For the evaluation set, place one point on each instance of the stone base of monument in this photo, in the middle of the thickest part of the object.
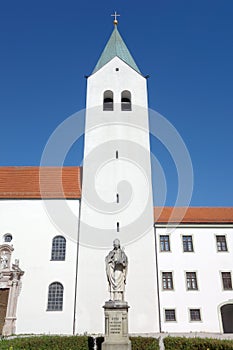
(116, 326)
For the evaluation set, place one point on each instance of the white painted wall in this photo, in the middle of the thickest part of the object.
(208, 264)
(127, 132)
(32, 233)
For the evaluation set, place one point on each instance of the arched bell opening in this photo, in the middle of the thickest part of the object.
(108, 101)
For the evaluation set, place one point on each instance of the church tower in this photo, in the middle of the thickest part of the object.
(116, 191)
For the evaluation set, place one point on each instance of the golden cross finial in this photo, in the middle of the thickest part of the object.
(115, 15)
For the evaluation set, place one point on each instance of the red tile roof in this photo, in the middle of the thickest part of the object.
(193, 215)
(40, 182)
(65, 182)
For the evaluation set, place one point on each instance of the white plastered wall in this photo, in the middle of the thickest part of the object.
(126, 132)
(32, 233)
(208, 264)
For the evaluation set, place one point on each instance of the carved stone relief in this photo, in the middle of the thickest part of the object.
(10, 279)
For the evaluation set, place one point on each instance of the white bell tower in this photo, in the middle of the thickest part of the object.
(116, 191)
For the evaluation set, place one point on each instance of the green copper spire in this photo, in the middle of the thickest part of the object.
(116, 47)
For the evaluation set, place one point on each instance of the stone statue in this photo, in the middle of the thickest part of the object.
(15, 266)
(116, 268)
(3, 261)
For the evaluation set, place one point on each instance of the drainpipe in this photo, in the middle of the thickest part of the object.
(76, 272)
(157, 276)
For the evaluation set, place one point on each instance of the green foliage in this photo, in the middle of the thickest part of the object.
(178, 343)
(86, 343)
(45, 343)
(144, 343)
(137, 343)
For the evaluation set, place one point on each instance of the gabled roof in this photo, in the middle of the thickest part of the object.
(193, 215)
(116, 47)
(65, 182)
(40, 182)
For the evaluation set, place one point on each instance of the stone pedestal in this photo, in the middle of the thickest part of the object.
(116, 326)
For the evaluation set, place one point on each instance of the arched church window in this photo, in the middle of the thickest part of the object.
(7, 238)
(126, 101)
(58, 248)
(55, 297)
(108, 100)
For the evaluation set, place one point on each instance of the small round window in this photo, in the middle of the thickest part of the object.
(8, 238)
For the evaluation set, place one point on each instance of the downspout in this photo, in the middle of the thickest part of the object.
(76, 272)
(157, 276)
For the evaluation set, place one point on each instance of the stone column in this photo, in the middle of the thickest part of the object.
(9, 326)
(116, 326)
(10, 320)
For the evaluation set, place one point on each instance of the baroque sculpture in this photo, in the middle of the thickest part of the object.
(10, 280)
(3, 260)
(116, 269)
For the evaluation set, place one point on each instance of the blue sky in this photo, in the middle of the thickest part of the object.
(186, 46)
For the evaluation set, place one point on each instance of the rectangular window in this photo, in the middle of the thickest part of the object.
(187, 243)
(195, 315)
(167, 280)
(221, 243)
(170, 315)
(164, 243)
(226, 280)
(191, 280)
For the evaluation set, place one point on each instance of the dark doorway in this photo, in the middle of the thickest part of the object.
(227, 318)
(4, 293)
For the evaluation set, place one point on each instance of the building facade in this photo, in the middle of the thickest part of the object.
(52, 273)
(195, 271)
